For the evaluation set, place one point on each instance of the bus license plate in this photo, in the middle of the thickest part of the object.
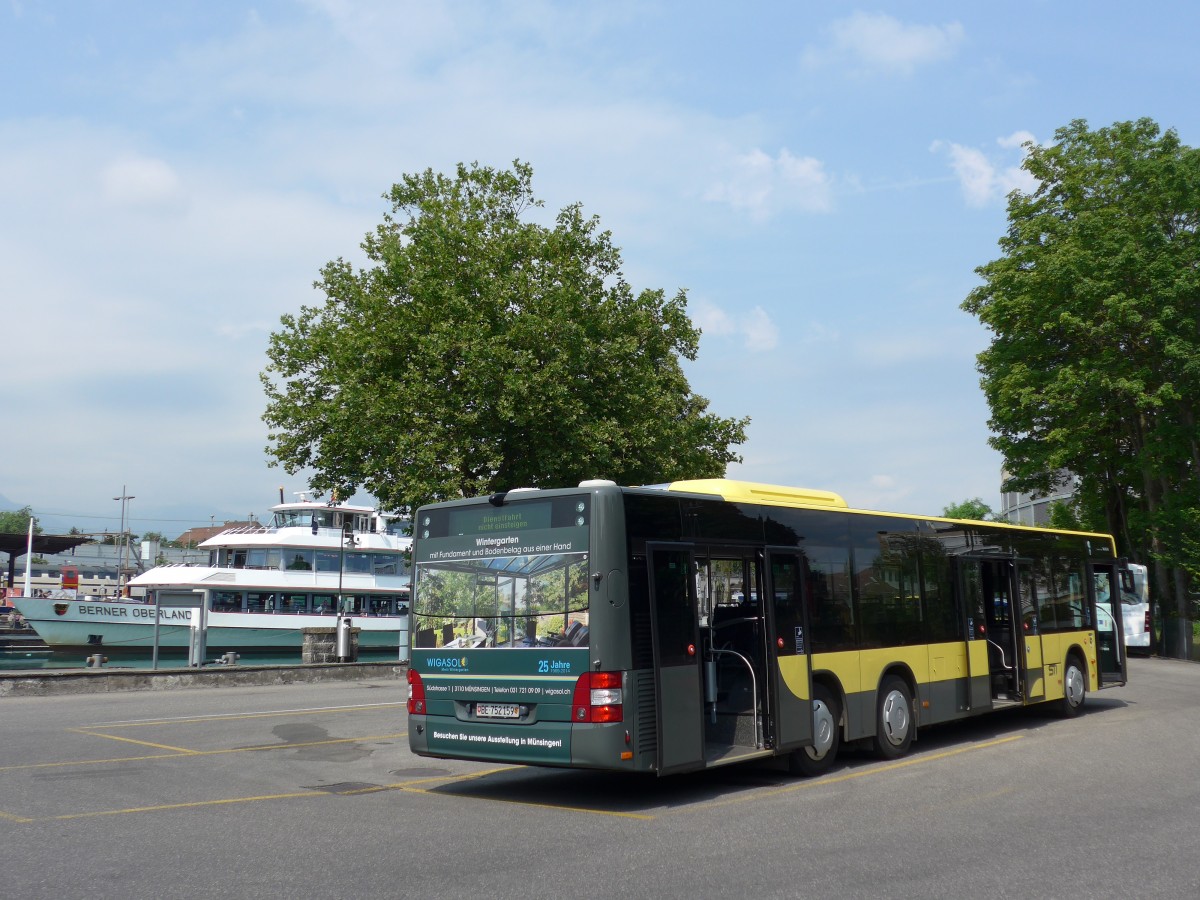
(497, 711)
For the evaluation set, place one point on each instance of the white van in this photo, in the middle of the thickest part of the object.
(1135, 608)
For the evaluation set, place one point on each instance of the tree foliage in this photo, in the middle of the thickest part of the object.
(482, 351)
(16, 521)
(1094, 362)
(974, 509)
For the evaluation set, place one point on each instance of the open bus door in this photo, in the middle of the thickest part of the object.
(1029, 641)
(674, 624)
(792, 672)
(971, 607)
(1110, 623)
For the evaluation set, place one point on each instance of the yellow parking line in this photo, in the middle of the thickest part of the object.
(578, 809)
(858, 773)
(408, 787)
(192, 805)
(91, 762)
(196, 804)
(176, 754)
(113, 737)
(226, 717)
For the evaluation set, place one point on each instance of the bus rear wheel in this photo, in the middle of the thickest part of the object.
(894, 719)
(819, 758)
(1074, 688)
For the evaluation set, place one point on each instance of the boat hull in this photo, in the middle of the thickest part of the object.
(115, 626)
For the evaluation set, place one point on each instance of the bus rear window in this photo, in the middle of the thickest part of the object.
(520, 601)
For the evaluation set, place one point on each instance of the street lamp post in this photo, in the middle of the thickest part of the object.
(121, 557)
(343, 619)
(347, 539)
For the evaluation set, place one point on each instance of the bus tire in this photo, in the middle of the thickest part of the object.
(1074, 688)
(827, 734)
(894, 725)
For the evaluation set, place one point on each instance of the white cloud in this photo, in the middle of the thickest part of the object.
(1016, 140)
(761, 333)
(761, 186)
(983, 178)
(710, 318)
(879, 42)
(142, 183)
(756, 329)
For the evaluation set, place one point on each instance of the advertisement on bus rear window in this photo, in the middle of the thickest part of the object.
(483, 546)
(510, 577)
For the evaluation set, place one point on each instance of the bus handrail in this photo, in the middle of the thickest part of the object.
(1003, 658)
(753, 689)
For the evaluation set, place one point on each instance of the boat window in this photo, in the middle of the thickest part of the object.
(324, 603)
(385, 565)
(300, 559)
(258, 601)
(256, 559)
(274, 558)
(358, 562)
(380, 606)
(327, 560)
(293, 603)
(226, 601)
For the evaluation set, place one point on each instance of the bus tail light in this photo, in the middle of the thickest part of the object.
(416, 693)
(598, 698)
(1147, 626)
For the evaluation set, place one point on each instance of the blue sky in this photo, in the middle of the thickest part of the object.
(823, 179)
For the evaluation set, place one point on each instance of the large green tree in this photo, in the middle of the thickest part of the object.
(16, 521)
(974, 509)
(1094, 362)
(483, 351)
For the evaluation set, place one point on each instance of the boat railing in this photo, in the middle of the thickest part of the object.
(253, 528)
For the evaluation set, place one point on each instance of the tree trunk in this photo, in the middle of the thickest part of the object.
(1184, 630)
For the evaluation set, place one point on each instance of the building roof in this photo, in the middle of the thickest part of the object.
(201, 534)
(18, 544)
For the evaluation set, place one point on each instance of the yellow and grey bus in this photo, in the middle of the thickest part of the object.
(684, 626)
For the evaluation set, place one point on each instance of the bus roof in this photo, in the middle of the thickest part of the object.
(735, 491)
(754, 492)
(778, 495)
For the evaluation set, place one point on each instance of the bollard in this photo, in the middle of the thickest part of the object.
(230, 659)
(343, 638)
(96, 660)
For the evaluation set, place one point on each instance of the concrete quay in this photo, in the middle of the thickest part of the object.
(115, 680)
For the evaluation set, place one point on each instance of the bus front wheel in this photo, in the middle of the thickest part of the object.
(818, 758)
(894, 724)
(1074, 688)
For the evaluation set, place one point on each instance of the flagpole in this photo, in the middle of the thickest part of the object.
(29, 558)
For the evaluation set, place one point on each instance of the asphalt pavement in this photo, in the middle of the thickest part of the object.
(298, 790)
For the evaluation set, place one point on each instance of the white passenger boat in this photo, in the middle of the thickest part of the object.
(260, 588)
